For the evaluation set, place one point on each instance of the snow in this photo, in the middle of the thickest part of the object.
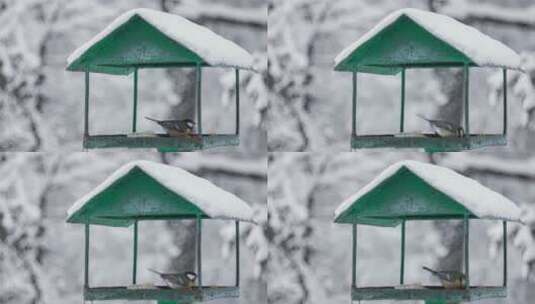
(212, 48)
(212, 200)
(478, 199)
(254, 16)
(480, 48)
(513, 15)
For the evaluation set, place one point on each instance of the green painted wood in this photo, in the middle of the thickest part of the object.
(183, 295)
(198, 97)
(402, 44)
(198, 254)
(402, 270)
(134, 114)
(428, 293)
(134, 44)
(161, 142)
(237, 72)
(86, 105)
(86, 260)
(354, 112)
(466, 97)
(402, 111)
(466, 247)
(402, 196)
(504, 102)
(504, 223)
(354, 258)
(134, 266)
(237, 241)
(429, 142)
(135, 196)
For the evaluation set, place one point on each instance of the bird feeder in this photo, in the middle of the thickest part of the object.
(142, 39)
(410, 190)
(143, 191)
(415, 39)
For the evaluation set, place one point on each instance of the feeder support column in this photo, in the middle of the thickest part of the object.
(354, 111)
(504, 253)
(504, 101)
(198, 97)
(198, 241)
(134, 268)
(86, 108)
(237, 89)
(134, 114)
(402, 112)
(354, 255)
(86, 267)
(402, 270)
(466, 250)
(237, 253)
(466, 93)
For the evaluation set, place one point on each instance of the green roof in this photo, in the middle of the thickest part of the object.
(144, 190)
(145, 38)
(416, 38)
(411, 190)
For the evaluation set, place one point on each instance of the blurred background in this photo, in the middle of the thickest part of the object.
(41, 109)
(41, 104)
(310, 260)
(310, 103)
(42, 257)
(310, 110)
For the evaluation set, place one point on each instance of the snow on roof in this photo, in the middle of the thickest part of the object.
(480, 48)
(212, 48)
(478, 199)
(212, 200)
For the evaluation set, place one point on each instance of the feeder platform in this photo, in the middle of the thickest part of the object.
(161, 293)
(429, 142)
(427, 293)
(162, 142)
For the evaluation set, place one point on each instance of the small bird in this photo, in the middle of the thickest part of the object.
(175, 127)
(449, 279)
(178, 280)
(444, 128)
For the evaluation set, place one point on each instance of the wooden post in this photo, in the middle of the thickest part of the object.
(86, 108)
(504, 253)
(237, 101)
(86, 267)
(466, 250)
(134, 115)
(354, 262)
(402, 270)
(237, 253)
(504, 101)
(354, 111)
(134, 268)
(198, 97)
(402, 113)
(198, 241)
(466, 93)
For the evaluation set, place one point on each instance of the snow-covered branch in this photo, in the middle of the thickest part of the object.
(252, 17)
(471, 11)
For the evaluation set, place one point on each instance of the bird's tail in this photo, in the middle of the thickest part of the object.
(155, 271)
(152, 119)
(429, 269)
(423, 117)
